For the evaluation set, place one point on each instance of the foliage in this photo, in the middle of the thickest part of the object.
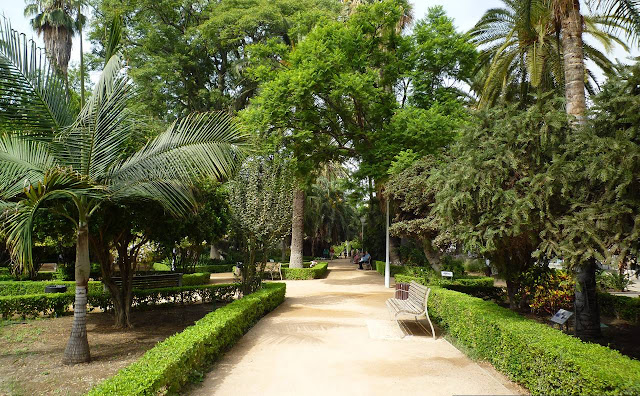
(612, 281)
(393, 269)
(34, 305)
(492, 194)
(596, 176)
(198, 278)
(16, 288)
(453, 265)
(328, 217)
(439, 281)
(548, 291)
(316, 272)
(622, 307)
(410, 254)
(542, 359)
(196, 56)
(168, 366)
(521, 53)
(261, 209)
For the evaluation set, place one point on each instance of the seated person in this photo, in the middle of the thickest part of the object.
(364, 259)
(356, 257)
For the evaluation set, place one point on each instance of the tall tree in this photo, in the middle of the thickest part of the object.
(522, 53)
(83, 162)
(57, 21)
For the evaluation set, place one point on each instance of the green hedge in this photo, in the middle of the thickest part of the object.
(169, 365)
(17, 288)
(485, 281)
(394, 269)
(622, 307)
(318, 271)
(543, 359)
(34, 305)
(215, 269)
(199, 278)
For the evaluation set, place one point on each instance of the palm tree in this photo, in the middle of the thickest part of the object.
(82, 162)
(57, 21)
(521, 50)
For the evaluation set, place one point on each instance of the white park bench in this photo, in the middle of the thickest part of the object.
(415, 305)
(273, 268)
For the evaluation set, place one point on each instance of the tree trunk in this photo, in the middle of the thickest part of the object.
(512, 290)
(572, 48)
(284, 249)
(586, 305)
(433, 255)
(297, 229)
(77, 350)
(214, 253)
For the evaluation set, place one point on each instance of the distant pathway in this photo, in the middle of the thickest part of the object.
(333, 336)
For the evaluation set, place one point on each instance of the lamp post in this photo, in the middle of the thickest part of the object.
(362, 221)
(387, 266)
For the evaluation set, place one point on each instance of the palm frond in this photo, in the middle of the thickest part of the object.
(624, 13)
(33, 94)
(22, 162)
(203, 144)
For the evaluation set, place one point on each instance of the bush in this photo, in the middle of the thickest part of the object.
(33, 305)
(480, 281)
(542, 359)
(448, 263)
(215, 269)
(16, 288)
(161, 267)
(394, 269)
(199, 278)
(169, 365)
(474, 265)
(612, 281)
(549, 292)
(318, 271)
(622, 307)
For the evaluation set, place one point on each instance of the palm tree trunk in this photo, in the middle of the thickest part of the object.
(297, 229)
(77, 350)
(572, 48)
(586, 305)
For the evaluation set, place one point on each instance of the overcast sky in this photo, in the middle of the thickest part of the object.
(465, 13)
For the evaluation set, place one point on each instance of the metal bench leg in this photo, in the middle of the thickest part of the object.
(426, 313)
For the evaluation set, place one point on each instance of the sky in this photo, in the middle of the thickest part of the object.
(464, 12)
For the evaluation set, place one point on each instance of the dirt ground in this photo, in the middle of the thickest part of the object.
(31, 351)
(334, 336)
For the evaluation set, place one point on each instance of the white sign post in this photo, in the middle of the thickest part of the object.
(446, 274)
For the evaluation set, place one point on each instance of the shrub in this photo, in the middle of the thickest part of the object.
(612, 281)
(33, 305)
(199, 278)
(394, 269)
(318, 271)
(622, 307)
(481, 281)
(161, 267)
(215, 269)
(474, 265)
(16, 288)
(169, 365)
(448, 263)
(543, 359)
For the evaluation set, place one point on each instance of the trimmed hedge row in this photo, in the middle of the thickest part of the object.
(394, 269)
(18, 288)
(486, 281)
(215, 269)
(199, 278)
(55, 304)
(544, 360)
(622, 307)
(169, 365)
(318, 271)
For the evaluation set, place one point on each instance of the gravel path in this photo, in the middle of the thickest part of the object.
(333, 336)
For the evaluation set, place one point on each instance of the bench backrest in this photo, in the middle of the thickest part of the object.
(153, 281)
(418, 294)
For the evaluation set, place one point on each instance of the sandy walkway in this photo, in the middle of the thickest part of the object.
(333, 336)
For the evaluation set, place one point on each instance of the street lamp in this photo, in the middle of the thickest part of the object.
(387, 265)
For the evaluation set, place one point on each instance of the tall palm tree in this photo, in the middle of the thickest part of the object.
(80, 160)
(521, 50)
(57, 21)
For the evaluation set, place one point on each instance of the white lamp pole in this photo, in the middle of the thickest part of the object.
(387, 268)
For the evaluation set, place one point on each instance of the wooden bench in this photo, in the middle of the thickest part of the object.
(273, 268)
(367, 264)
(154, 281)
(415, 304)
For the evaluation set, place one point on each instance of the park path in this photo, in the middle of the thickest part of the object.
(333, 336)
